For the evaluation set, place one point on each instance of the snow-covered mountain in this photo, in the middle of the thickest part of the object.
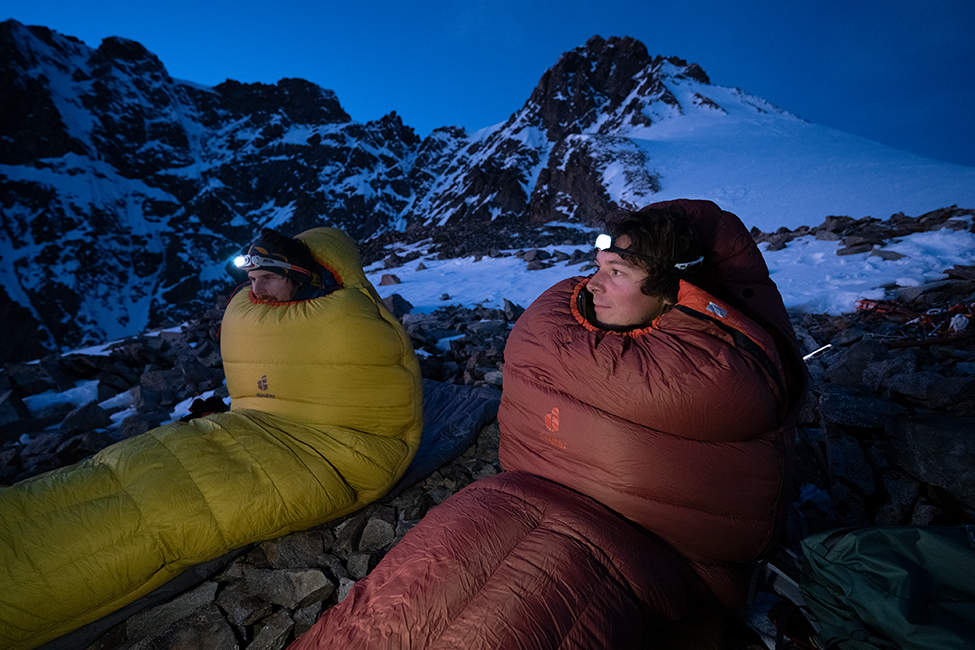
(125, 191)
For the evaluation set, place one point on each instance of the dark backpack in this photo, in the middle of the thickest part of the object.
(891, 587)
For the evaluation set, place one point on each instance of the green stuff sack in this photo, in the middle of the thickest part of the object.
(892, 587)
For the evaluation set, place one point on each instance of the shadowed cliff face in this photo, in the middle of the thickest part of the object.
(125, 191)
(587, 83)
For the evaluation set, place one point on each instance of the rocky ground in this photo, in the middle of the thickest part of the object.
(884, 437)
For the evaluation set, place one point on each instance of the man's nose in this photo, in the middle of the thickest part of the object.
(594, 285)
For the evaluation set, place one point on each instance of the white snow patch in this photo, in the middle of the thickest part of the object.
(83, 393)
(809, 274)
(569, 224)
(183, 408)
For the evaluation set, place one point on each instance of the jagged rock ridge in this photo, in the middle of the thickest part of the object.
(125, 191)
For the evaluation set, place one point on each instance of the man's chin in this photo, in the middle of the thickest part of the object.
(604, 320)
(614, 327)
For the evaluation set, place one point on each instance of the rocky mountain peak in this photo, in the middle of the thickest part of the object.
(14, 34)
(121, 55)
(390, 132)
(597, 79)
(392, 123)
(691, 70)
(586, 81)
(124, 49)
(302, 101)
(30, 124)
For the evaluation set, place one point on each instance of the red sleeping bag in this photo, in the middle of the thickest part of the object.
(680, 426)
(514, 562)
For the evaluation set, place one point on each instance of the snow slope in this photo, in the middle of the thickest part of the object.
(809, 273)
(773, 169)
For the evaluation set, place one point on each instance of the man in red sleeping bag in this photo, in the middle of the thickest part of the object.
(645, 426)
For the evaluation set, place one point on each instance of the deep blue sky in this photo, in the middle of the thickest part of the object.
(896, 71)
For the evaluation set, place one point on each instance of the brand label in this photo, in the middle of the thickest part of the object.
(552, 420)
(552, 426)
(262, 387)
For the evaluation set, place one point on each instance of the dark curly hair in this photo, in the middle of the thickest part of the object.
(664, 236)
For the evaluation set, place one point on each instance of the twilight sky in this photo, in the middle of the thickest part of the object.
(900, 72)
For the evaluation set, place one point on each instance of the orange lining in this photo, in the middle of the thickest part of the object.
(691, 297)
(273, 303)
(574, 307)
(335, 274)
(697, 299)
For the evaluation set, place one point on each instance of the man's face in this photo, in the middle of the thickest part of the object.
(271, 287)
(616, 293)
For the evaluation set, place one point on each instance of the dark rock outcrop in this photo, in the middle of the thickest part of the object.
(175, 177)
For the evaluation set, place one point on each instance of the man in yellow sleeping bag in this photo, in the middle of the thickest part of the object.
(325, 417)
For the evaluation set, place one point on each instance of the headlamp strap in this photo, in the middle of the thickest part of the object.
(604, 242)
(251, 261)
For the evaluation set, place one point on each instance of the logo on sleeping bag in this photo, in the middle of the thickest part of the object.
(262, 386)
(552, 424)
(552, 420)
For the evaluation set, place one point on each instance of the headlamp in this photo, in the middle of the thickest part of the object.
(250, 262)
(604, 242)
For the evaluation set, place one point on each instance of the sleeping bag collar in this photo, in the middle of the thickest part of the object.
(699, 304)
(585, 314)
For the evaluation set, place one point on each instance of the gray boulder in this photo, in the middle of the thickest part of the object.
(837, 407)
(296, 551)
(848, 463)
(85, 418)
(274, 632)
(397, 305)
(377, 534)
(939, 450)
(206, 628)
(241, 606)
(289, 587)
(155, 621)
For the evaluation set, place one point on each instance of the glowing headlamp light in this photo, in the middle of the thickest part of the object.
(604, 242)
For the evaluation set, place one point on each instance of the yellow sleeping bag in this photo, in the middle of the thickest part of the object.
(326, 416)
